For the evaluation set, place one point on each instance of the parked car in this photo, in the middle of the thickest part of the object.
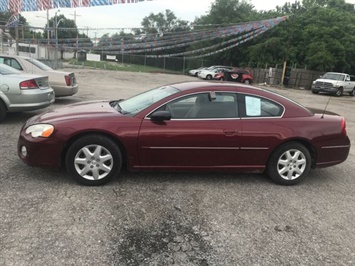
(194, 72)
(63, 83)
(22, 92)
(207, 126)
(210, 73)
(239, 75)
(334, 83)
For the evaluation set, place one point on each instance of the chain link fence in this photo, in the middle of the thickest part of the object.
(293, 78)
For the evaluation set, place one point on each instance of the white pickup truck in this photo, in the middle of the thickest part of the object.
(334, 83)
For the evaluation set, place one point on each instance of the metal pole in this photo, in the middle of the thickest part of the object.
(48, 35)
(2, 42)
(56, 36)
(16, 36)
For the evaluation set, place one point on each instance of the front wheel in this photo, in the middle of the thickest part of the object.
(93, 160)
(208, 77)
(2, 110)
(247, 81)
(315, 92)
(339, 92)
(289, 164)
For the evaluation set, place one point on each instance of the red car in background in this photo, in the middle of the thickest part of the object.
(238, 75)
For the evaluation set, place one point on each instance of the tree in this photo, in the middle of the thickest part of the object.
(163, 23)
(68, 37)
(22, 26)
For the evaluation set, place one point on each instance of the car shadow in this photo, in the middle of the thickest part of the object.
(20, 117)
(67, 100)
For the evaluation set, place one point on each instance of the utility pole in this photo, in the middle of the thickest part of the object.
(77, 33)
(16, 36)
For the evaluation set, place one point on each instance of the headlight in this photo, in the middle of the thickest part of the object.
(40, 130)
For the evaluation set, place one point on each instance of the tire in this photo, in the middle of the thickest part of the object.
(352, 93)
(221, 79)
(289, 164)
(247, 81)
(93, 160)
(3, 110)
(315, 92)
(339, 92)
(208, 77)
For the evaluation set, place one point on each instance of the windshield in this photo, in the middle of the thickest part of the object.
(39, 64)
(334, 76)
(6, 70)
(141, 101)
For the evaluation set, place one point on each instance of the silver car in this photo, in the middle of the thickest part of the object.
(63, 83)
(23, 92)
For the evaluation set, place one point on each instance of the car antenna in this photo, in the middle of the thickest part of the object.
(326, 106)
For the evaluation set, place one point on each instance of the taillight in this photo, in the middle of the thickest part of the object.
(343, 126)
(28, 84)
(68, 80)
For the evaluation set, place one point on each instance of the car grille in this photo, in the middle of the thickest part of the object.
(321, 84)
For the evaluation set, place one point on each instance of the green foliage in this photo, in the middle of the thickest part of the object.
(319, 34)
(68, 34)
(163, 23)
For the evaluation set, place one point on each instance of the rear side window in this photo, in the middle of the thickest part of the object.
(10, 62)
(255, 106)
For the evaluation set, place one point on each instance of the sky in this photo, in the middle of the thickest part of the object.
(97, 20)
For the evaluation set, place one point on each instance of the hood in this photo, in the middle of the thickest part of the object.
(84, 110)
(327, 80)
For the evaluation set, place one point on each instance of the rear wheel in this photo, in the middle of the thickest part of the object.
(2, 110)
(289, 164)
(247, 81)
(208, 77)
(315, 92)
(352, 93)
(221, 79)
(339, 92)
(93, 160)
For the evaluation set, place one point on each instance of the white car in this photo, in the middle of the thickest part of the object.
(63, 83)
(194, 72)
(210, 73)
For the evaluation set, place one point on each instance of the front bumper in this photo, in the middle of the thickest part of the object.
(40, 151)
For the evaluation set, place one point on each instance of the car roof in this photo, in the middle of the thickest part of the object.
(198, 86)
(216, 85)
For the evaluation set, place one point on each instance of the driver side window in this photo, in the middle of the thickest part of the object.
(212, 105)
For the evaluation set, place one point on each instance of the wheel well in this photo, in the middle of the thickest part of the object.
(309, 146)
(2, 102)
(115, 140)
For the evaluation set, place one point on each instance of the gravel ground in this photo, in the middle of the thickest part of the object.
(173, 218)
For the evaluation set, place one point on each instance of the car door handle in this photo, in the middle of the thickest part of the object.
(230, 132)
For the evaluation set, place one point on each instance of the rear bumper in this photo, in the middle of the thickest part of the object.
(330, 155)
(65, 91)
(30, 100)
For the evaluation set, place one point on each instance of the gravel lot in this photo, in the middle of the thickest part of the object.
(170, 218)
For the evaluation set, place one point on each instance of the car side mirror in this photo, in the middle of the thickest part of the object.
(160, 116)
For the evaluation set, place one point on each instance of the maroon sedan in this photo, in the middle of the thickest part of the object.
(187, 126)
